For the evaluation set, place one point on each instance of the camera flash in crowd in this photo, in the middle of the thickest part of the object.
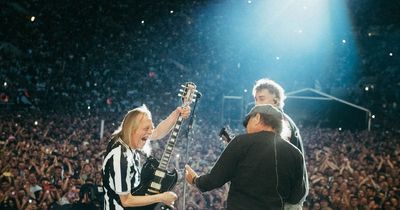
(390, 54)
(172, 11)
(343, 41)
(142, 22)
(36, 122)
(249, 1)
(177, 155)
(373, 116)
(340, 128)
(277, 58)
(5, 84)
(33, 18)
(88, 107)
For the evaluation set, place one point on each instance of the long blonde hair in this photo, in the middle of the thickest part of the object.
(131, 123)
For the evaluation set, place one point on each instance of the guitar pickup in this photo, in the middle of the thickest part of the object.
(159, 173)
(155, 186)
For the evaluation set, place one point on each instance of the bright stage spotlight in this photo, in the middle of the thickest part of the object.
(291, 41)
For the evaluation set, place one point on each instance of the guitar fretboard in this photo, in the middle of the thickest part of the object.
(170, 145)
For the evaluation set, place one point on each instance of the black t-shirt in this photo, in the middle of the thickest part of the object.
(264, 170)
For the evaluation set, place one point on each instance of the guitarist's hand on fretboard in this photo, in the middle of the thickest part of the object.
(184, 111)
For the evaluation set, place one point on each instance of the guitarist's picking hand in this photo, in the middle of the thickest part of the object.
(190, 174)
(168, 198)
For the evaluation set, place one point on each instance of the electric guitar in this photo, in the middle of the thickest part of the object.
(155, 178)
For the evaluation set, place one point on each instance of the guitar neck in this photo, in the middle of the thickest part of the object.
(169, 148)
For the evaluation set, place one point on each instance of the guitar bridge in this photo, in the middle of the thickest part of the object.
(153, 191)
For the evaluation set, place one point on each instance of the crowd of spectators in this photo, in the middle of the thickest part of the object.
(56, 163)
(352, 170)
(64, 69)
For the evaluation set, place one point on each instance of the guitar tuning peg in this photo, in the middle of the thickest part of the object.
(182, 86)
(180, 90)
(180, 95)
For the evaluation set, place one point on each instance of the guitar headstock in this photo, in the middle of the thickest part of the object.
(188, 93)
(225, 134)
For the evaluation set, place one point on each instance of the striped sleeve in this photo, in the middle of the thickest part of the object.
(118, 164)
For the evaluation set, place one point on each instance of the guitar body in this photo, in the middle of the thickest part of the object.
(148, 176)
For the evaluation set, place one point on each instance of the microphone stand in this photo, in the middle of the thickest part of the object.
(189, 129)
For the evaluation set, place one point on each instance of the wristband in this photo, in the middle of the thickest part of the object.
(194, 180)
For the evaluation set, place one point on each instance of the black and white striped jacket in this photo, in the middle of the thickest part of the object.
(121, 172)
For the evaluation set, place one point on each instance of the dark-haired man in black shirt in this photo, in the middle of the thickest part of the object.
(265, 171)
